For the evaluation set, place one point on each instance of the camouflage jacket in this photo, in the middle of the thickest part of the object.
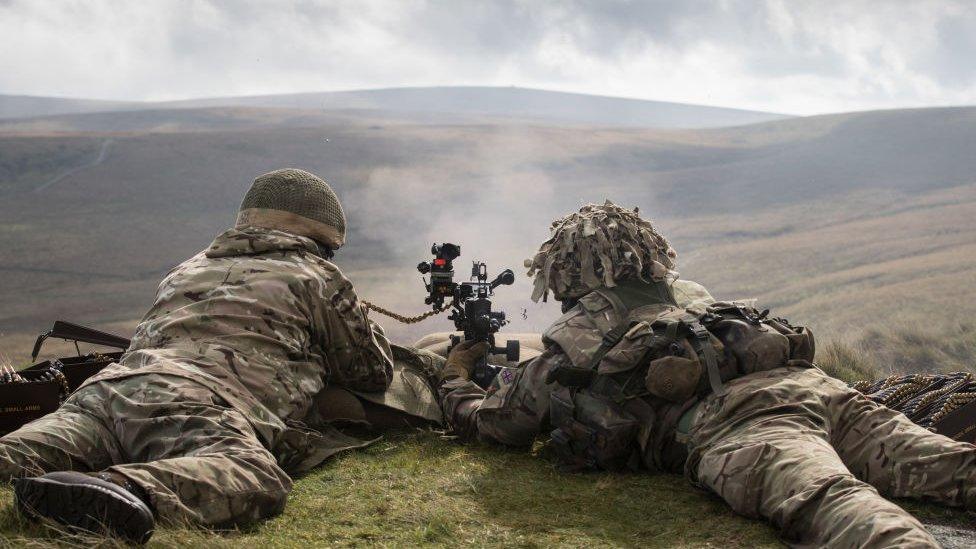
(516, 408)
(262, 321)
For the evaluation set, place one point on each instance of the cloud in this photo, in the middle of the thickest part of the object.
(799, 57)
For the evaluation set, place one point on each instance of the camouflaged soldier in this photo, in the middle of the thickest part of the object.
(643, 372)
(201, 419)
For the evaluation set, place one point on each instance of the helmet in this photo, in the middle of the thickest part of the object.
(597, 247)
(297, 202)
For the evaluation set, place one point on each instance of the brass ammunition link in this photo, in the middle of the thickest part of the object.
(407, 319)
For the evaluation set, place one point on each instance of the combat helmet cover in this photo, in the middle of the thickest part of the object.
(295, 201)
(596, 247)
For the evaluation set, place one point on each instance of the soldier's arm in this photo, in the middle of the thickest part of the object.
(359, 352)
(513, 411)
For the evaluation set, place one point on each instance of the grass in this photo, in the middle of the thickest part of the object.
(420, 489)
(948, 347)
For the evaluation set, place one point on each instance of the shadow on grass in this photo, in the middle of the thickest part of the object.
(527, 494)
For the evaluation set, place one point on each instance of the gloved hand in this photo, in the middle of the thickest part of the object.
(461, 360)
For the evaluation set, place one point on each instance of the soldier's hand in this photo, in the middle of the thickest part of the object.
(462, 359)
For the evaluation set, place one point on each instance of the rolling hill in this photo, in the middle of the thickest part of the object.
(25, 106)
(434, 105)
(843, 222)
(510, 102)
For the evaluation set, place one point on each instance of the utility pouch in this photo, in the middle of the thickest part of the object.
(629, 351)
(591, 432)
(756, 342)
(754, 347)
(674, 378)
(571, 440)
(802, 343)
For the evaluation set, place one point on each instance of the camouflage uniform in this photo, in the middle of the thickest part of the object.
(205, 410)
(790, 444)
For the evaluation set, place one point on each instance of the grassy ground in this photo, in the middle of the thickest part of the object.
(948, 347)
(418, 489)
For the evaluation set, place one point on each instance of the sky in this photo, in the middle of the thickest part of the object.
(796, 57)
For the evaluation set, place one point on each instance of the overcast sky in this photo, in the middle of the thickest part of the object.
(799, 57)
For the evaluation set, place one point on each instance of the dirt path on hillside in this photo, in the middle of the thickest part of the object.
(102, 154)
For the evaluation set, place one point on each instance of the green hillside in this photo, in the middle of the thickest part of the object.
(843, 222)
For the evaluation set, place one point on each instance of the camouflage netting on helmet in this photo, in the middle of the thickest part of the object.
(598, 247)
(306, 206)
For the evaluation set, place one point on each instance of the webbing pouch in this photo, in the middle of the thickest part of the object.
(591, 432)
(570, 439)
(575, 376)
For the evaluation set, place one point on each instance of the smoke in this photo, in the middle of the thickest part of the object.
(496, 202)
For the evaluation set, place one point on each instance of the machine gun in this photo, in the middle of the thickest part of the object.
(470, 306)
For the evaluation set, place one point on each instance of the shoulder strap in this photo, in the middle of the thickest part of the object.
(703, 346)
(582, 376)
(615, 302)
(573, 376)
(610, 340)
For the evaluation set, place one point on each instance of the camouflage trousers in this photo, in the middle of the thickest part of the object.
(815, 457)
(198, 459)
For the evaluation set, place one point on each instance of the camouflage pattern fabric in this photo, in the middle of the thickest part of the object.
(791, 445)
(195, 456)
(246, 334)
(815, 457)
(515, 409)
(411, 389)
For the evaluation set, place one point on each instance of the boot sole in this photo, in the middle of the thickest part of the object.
(85, 503)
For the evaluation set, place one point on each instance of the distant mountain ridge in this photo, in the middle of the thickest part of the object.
(27, 106)
(511, 102)
(542, 105)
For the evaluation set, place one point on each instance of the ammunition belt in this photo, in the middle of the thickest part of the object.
(54, 373)
(403, 318)
(924, 398)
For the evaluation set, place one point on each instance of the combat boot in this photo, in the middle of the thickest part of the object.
(101, 503)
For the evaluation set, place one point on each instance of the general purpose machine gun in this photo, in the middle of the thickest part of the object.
(470, 306)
